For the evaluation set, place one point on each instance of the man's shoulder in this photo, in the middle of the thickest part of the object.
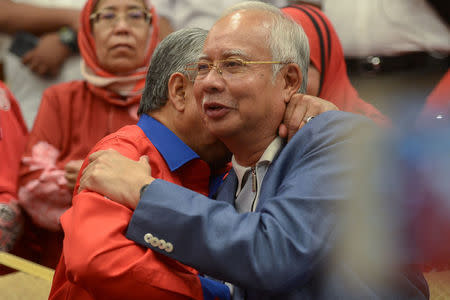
(129, 140)
(329, 130)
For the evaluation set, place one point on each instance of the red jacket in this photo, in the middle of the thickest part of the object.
(98, 261)
(72, 117)
(13, 134)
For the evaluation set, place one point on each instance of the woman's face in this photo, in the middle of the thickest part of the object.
(121, 32)
(313, 81)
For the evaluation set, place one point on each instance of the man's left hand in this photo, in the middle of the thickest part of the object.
(299, 109)
(115, 176)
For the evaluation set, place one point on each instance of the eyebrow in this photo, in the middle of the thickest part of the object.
(128, 7)
(227, 54)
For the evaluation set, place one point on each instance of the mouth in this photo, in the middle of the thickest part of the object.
(215, 110)
(121, 46)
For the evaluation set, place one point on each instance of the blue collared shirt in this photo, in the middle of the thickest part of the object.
(174, 151)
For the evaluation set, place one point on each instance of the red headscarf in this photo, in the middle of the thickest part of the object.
(125, 85)
(327, 56)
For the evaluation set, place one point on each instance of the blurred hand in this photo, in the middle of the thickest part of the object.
(299, 108)
(115, 176)
(48, 57)
(72, 169)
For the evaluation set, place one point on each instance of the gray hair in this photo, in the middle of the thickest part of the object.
(178, 49)
(287, 40)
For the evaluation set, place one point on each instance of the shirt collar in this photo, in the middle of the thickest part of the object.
(174, 151)
(267, 158)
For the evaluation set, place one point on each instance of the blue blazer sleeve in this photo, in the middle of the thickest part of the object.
(281, 244)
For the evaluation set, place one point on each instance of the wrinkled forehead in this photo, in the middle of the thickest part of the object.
(243, 33)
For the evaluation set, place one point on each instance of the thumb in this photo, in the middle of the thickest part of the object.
(283, 131)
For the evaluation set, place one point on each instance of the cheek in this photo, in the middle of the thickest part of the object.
(143, 39)
(197, 90)
(313, 81)
(100, 42)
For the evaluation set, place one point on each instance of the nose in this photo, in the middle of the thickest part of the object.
(213, 82)
(121, 25)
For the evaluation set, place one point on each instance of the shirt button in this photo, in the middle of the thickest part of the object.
(148, 237)
(154, 241)
(162, 244)
(169, 247)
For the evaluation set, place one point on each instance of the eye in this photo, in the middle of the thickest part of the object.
(136, 15)
(232, 64)
(107, 16)
(203, 67)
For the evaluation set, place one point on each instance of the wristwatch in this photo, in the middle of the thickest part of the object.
(68, 37)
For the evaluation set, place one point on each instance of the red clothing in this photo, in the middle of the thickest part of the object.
(71, 119)
(327, 56)
(13, 135)
(99, 262)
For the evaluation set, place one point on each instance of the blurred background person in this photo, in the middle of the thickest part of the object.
(38, 47)
(327, 73)
(437, 106)
(116, 40)
(397, 51)
(13, 134)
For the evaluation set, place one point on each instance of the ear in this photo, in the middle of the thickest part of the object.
(177, 89)
(292, 80)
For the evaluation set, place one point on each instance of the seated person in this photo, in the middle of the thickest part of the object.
(327, 73)
(104, 263)
(116, 40)
(13, 134)
(45, 42)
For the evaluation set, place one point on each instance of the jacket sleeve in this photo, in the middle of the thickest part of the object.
(274, 248)
(99, 258)
(42, 185)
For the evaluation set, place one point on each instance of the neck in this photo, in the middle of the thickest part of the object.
(164, 118)
(247, 153)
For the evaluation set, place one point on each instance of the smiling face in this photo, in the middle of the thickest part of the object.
(244, 107)
(121, 47)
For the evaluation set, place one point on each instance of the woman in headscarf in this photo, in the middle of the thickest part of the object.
(327, 76)
(116, 41)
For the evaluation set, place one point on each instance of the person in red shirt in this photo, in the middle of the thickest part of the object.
(116, 41)
(327, 76)
(98, 261)
(13, 135)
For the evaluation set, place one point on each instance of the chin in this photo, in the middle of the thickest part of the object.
(123, 67)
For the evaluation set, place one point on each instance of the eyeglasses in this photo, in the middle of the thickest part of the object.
(227, 67)
(133, 17)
